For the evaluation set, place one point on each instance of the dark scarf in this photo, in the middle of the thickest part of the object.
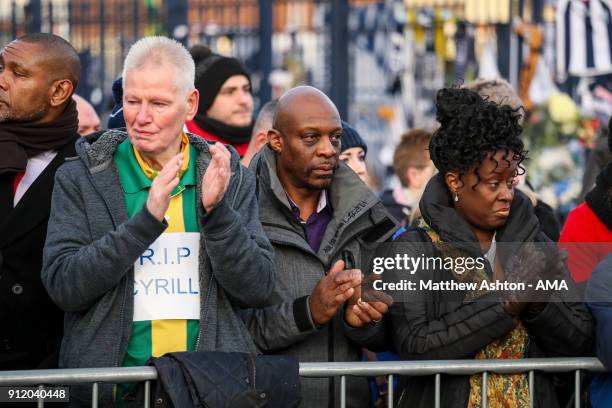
(233, 134)
(599, 199)
(22, 140)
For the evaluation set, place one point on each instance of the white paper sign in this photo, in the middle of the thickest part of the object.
(167, 279)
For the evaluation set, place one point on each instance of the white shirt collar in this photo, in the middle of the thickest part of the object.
(322, 201)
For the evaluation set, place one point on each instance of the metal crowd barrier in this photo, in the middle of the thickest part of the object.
(360, 369)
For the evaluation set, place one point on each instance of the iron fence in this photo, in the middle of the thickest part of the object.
(391, 369)
(339, 46)
(296, 32)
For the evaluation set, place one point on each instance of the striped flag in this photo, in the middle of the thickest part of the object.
(376, 27)
(584, 38)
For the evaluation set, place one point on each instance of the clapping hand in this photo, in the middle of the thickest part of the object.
(367, 306)
(162, 186)
(217, 176)
(332, 291)
(526, 267)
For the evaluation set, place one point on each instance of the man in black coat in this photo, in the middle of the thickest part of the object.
(38, 128)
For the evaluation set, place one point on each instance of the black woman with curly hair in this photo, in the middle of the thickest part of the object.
(471, 209)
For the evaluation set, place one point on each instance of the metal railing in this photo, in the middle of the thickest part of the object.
(390, 369)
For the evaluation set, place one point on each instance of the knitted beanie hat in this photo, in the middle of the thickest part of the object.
(350, 138)
(212, 70)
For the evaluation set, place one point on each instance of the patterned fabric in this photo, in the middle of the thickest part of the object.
(503, 390)
(584, 30)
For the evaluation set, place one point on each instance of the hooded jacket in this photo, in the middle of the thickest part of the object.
(286, 327)
(443, 326)
(91, 248)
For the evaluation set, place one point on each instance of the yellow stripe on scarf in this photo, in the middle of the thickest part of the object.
(168, 336)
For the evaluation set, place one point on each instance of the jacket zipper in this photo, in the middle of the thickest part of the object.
(204, 315)
(330, 337)
(209, 269)
(330, 355)
(201, 329)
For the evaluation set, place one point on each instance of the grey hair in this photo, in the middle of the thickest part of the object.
(499, 91)
(159, 50)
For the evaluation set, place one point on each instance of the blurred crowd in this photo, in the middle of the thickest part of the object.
(188, 224)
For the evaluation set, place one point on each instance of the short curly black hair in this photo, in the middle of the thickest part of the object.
(472, 128)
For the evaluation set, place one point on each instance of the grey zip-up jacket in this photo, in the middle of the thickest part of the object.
(286, 327)
(91, 248)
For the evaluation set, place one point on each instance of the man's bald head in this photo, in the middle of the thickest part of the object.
(289, 107)
(306, 139)
(89, 121)
(57, 55)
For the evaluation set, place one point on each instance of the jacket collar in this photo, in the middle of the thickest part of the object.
(354, 206)
(97, 149)
(348, 195)
(97, 153)
(133, 177)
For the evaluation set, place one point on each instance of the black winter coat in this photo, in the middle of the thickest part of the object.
(30, 323)
(443, 326)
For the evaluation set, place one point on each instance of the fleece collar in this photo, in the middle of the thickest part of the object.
(97, 149)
